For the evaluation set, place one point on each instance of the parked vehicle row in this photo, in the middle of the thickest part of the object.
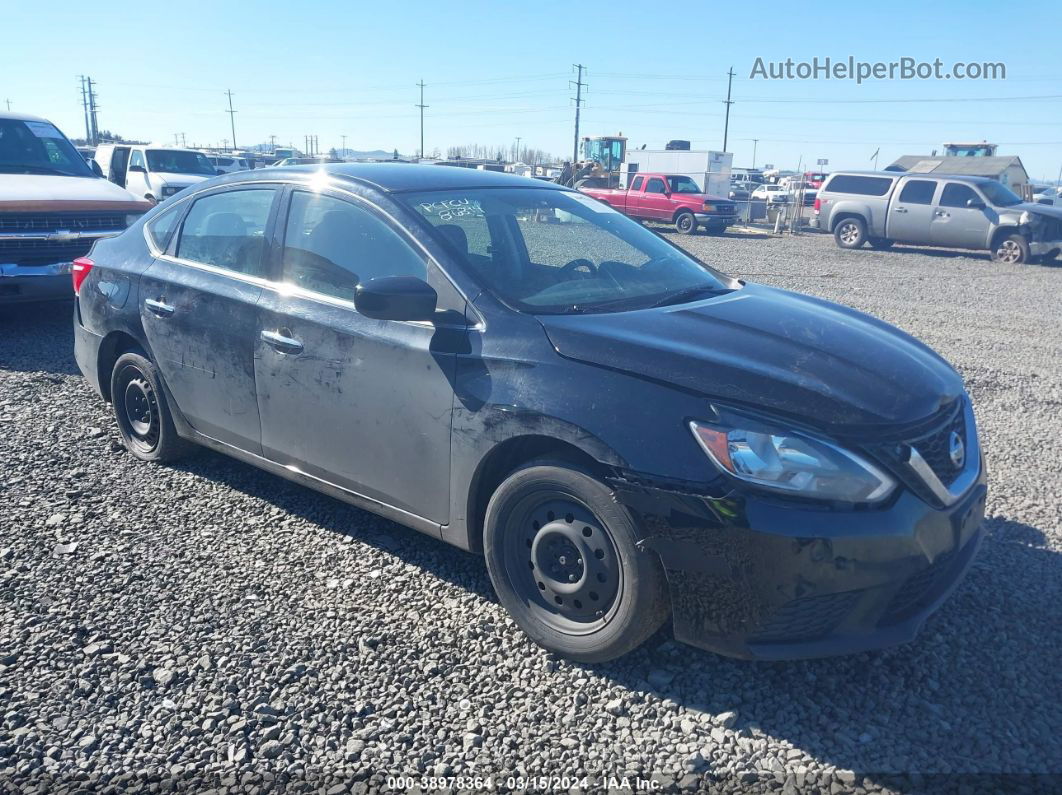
(153, 172)
(520, 370)
(882, 208)
(53, 207)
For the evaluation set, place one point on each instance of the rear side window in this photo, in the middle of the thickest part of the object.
(855, 183)
(955, 194)
(918, 191)
(331, 246)
(161, 227)
(227, 230)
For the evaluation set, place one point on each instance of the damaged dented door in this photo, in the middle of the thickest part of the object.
(361, 403)
(198, 308)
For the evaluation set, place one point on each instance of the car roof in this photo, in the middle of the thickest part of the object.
(21, 117)
(400, 177)
(924, 175)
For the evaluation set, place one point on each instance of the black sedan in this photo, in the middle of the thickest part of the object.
(624, 432)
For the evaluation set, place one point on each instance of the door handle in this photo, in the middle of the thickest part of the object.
(282, 341)
(941, 214)
(901, 209)
(158, 307)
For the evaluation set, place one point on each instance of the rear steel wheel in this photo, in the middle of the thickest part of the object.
(140, 409)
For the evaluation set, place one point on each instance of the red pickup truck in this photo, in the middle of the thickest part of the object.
(671, 198)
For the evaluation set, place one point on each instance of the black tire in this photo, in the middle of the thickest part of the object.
(880, 243)
(1011, 250)
(144, 419)
(685, 223)
(542, 523)
(850, 232)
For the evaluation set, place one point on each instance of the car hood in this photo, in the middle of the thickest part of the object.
(15, 188)
(783, 352)
(1046, 210)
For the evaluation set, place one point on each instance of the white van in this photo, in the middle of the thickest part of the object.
(226, 164)
(152, 171)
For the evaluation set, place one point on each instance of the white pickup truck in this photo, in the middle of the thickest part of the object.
(53, 207)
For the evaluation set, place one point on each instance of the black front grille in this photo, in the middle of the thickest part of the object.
(807, 618)
(935, 446)
(54, 222)
(42, 252)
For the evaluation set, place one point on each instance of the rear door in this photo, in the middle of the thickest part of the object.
(198, 305)
(360, 403)
(955, 224)
(912, 210)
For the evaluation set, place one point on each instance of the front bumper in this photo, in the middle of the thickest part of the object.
(25, 283)
(715, 219)
(754, 578)
(1038, 248)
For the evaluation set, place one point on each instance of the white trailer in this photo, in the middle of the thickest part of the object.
(710, 170)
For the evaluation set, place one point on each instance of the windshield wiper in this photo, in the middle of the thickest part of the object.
(688, 294)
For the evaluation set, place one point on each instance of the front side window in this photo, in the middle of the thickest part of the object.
(331, 246)
(956, 194)
(227, 230)
(683, 185)
(136, 159)
(1000, 195)
(655, 185)
(554, 251)
(37, 147)
(918, 191)
(179, 161)
(637, 184)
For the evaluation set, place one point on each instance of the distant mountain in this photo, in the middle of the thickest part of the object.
(378, 154)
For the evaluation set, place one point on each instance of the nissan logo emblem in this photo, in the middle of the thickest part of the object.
(956, 449)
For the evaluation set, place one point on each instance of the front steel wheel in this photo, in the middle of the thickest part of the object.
(1011, 250)
(563, 558)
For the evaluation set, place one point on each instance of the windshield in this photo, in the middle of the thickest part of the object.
(547, 251)
(37, 147)
(683, 185)
(999, 195)
(179, 161)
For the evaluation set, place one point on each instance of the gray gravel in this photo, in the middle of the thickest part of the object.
(212, 626)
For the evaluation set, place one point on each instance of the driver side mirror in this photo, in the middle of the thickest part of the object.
(396, 298)
(975, 204)
(141, 169)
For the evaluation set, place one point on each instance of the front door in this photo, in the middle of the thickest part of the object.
(912, 212)
(360, 403)
(136, 178)
(198, 305)
(956, 224)
(117, 170)
(655, 201)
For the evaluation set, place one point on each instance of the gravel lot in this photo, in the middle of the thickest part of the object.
(212, 626)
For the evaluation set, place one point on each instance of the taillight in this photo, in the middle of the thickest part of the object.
(818, 204)
(79, 270)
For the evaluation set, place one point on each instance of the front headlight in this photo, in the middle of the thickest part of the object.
(709, 208)
(792, 462)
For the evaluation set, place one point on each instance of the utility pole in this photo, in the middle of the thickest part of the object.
(422, 106)
(85, 105)
(92, 112)
(272, 143)
(184, 141)
(8, 101)
(516, 159)
(232, 118)
(755, 141)
(726, 124)
(343, 151)
(176, 140)
(578, 103)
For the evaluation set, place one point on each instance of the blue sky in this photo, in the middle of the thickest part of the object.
(495, 71)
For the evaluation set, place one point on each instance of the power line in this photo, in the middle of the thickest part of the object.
(422, 106)
(232, 119)
(578, 104)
